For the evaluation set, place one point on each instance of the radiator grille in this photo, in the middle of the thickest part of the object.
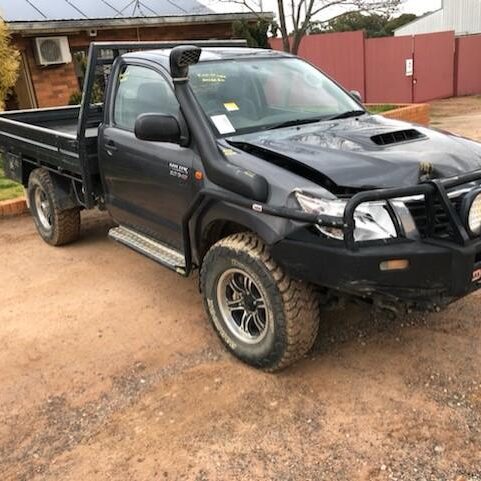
(441, 228)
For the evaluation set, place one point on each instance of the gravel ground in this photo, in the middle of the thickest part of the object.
(461, 115)
(109, 371)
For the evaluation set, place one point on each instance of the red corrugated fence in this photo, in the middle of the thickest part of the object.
(433, 66)
(324, 52)
(468, 65)
(397, 69)
(386, 79)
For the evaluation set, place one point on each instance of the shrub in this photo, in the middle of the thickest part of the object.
(97, 95)
(9, 64)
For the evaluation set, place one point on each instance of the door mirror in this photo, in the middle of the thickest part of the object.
(158, 128)
(356, 95)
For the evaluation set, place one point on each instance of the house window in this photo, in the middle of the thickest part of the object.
(22, 95)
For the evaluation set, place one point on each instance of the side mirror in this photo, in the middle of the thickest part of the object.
(158, 128)
(356, 95)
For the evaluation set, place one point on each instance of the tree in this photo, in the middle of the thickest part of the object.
(9, 64)
(398, 22)
(98, 89)
(375, 25)
(254, 33)
(303, 14)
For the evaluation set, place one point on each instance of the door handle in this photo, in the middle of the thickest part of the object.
(110, 147)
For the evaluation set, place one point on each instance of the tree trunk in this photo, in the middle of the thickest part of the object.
(296, 42)
(283, 27)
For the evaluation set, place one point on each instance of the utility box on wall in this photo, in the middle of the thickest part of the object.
(52, 51)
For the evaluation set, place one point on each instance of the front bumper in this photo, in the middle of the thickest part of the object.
(438, 273)
(441, 269)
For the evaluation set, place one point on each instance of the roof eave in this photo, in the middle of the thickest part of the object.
(57, 26)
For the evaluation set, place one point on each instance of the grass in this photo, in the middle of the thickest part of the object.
(379, 109)
(8, 188)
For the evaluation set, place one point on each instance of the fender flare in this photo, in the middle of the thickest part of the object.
(270, 229)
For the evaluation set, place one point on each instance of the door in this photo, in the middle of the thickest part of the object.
(387, 79)
(147, 184)
(433, 79)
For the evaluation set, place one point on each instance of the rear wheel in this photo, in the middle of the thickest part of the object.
(264, 317)
(56, 227)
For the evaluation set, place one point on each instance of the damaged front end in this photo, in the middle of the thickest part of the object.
(422, 262)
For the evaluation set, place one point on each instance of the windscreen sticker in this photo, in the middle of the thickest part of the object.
(231, 106)
(223, 124)
(211, 77)
(228, 152)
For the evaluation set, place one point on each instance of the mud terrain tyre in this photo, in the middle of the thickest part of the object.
(56, 227)
(264, 317)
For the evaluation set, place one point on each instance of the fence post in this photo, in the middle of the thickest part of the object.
(456, 66)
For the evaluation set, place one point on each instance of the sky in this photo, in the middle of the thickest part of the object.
(409, 6)
(420, 6)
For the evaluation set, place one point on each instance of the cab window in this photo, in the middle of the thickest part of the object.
(141, 90)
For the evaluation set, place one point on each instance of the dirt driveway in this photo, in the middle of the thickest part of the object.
(109, 371)
(460, 115)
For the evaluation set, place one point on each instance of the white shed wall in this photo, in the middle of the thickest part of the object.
(462, 16)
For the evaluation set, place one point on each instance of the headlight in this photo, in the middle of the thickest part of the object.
(472, 207)
(373, 221)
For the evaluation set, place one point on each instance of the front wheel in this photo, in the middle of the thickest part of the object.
(56, 227)
(264, 317)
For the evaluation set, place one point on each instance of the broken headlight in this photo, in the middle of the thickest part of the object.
(373, 220)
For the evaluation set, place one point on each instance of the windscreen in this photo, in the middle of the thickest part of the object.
(256, 94)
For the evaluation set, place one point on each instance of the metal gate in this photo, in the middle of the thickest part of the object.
(403, 69)
(410, 69)
(433, 66)
(386, 79)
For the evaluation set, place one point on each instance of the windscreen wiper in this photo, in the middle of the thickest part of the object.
(349, 113)
(294, 122)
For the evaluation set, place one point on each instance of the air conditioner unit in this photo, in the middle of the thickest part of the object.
(52, 50)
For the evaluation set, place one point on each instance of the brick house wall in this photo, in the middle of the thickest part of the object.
(53, 85)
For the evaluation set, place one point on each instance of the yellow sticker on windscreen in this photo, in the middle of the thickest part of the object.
(231, 106)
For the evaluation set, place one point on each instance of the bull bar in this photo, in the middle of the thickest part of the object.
(429, 188)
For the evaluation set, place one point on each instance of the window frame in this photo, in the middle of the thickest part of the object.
(122, 64)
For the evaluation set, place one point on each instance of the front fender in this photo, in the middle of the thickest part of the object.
(269, 228)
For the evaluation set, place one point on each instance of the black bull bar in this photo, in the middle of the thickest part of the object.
(430, 189)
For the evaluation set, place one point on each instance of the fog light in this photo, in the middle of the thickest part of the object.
(394, 265)
(474, 216)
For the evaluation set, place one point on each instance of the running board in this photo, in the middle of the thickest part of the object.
(149, 247)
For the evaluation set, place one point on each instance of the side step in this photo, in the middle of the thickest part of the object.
(149, 247)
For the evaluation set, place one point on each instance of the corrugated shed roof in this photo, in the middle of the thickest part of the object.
(47, 10)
